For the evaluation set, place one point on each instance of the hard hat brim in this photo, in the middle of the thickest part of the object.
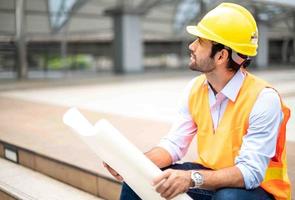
(194, 30)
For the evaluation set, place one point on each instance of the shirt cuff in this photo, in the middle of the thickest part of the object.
(249, 179)
(165, 144)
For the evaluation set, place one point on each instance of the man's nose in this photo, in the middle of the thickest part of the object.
(192, 46)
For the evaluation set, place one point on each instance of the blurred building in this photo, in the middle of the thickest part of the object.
(124, 36)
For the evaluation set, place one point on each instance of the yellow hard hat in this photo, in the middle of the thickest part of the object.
(231, 25)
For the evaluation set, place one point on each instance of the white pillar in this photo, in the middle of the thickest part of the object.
(127, 46)
(262, 54)
(21, 50)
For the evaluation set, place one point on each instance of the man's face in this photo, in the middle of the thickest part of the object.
(200, 56)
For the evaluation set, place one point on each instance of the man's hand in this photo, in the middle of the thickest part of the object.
(173, 182)
(113, 172)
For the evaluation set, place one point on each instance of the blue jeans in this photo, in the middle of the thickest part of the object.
(222, 194)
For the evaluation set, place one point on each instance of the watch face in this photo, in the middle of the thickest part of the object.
(197, 178)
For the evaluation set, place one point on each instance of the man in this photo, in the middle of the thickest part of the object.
(238, 119)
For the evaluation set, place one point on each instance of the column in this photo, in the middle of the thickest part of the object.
(127, 44)
(262, 54)
(21, 50)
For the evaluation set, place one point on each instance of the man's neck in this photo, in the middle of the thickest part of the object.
(218, 80)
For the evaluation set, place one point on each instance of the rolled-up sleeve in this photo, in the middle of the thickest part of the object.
(259, 144)
(177, 141)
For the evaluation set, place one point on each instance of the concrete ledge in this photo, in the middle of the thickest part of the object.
(5, 196)
(9, 193)
(18, 182)
(1, 150)
(87, 181)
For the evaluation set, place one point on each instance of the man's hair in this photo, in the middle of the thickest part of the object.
(231, 65)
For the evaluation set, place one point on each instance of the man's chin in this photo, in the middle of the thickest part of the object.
(193, 66)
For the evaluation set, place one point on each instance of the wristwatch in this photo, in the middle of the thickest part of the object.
(197, 179)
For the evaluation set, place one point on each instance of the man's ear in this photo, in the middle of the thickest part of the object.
(221, 56)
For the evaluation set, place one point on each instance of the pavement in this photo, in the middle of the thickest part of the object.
(151, 96)
(142, 107)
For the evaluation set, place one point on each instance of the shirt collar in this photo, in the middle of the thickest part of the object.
(232, 88)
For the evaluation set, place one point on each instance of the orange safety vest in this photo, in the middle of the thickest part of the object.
(218, 149)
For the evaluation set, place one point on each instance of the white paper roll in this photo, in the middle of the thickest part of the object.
(113, 148)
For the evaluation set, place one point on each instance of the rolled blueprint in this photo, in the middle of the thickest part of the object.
(114, 149)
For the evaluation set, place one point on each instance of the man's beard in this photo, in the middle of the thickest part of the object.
(204, 66)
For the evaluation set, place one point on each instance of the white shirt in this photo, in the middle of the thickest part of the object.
(259, 144)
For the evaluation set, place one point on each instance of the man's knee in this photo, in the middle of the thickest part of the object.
(127, 193)
(126, 187)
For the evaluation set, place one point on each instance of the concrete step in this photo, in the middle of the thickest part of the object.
(19, 182)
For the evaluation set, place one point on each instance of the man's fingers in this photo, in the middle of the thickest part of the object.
(169, 185)
(164, 175)
(168, 192)
(162, 187)
(119, 178)
(174, 194)
(113, 172)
